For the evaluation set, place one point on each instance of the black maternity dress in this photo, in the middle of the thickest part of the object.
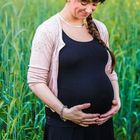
(81, 79)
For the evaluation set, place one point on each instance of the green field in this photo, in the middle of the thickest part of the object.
(21, 113)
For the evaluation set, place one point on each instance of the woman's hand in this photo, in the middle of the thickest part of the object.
(76, 115)
(114, 109)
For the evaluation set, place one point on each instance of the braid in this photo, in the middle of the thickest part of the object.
(95, 34)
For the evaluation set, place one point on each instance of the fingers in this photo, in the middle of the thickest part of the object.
(97, 121)
(90, 116)
(114, 102)
(83, 106)
(90, 121)
(87, 119)
(76, 115)
(84, 125)
(86, 115)
(103, 120)
(100, 123)
(114, 109)
(109, 113)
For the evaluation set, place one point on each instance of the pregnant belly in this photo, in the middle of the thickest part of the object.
(98, 91)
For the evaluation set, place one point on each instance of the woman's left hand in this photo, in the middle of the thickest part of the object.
(114, 109)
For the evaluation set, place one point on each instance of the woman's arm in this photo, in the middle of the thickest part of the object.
(116, 104)
(39, 68)
(40, 61)
(44, 93)
(74, 114)
(116, 89)
(116, 100)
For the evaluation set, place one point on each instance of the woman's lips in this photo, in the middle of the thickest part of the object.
(85, 14)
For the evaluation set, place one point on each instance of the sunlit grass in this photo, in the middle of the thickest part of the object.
(21, 113)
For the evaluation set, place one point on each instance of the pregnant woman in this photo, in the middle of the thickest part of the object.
(72, 71)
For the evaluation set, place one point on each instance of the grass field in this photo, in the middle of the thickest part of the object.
(21, 113)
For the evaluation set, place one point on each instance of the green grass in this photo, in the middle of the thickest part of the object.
(21, 113)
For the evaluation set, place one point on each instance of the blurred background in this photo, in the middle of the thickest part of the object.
(21, 113)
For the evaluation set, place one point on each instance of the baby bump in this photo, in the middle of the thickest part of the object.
(97, 90)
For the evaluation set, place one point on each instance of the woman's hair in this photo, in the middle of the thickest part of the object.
(95, 34)
(101, 1)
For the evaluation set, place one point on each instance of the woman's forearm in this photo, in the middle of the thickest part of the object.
(116, 89)
(45, 94)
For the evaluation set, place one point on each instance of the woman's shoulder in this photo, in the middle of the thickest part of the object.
(102, 30)
(49, 28)
(100, 25)
(49, 25)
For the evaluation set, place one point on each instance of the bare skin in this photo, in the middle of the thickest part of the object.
(74, 114)
(75, 13)
(72, 13)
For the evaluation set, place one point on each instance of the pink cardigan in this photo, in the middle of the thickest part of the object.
(47, 42)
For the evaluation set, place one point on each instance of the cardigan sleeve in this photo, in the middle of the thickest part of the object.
(40, 58)
(112, 76)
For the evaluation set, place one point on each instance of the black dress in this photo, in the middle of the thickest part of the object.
(81, 79)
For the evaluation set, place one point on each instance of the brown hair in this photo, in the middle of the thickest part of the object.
(95, 34)
(100, 1)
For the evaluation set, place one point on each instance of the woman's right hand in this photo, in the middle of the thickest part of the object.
(76, 115)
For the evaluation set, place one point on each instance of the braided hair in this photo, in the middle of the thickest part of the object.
(95, 34)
